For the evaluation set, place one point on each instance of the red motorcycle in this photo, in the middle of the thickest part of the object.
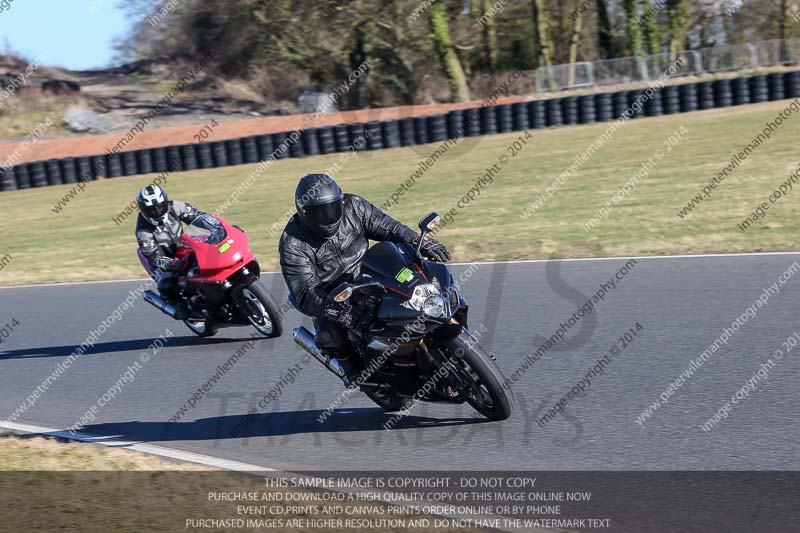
(220, 281)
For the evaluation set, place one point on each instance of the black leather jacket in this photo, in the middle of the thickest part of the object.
(313, 266)
(158, 243)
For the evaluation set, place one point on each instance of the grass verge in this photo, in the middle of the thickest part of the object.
(48, 485)
(82, 242)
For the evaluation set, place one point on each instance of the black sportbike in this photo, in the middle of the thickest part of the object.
(410, 338)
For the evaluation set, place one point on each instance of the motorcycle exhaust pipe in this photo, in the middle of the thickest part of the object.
(160, 303)
(305, 339)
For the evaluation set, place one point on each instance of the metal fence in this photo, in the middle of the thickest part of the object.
(623, 70)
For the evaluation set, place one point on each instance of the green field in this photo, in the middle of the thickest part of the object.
(83, 243)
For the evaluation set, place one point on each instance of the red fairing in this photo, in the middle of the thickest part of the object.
(218, 262)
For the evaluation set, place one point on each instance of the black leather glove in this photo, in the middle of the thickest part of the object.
(432, 249)
(339, 313)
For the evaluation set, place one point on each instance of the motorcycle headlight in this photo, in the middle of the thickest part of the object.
(427, 298)
(434, 306)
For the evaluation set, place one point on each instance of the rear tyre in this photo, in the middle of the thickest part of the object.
(202, 328)
(485, 393)
(389, 401)
(258, 305)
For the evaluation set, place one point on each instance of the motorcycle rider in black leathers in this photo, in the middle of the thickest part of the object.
(322, 246)
(158, 228)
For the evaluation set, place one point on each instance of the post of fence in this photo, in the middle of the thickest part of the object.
(753, 55)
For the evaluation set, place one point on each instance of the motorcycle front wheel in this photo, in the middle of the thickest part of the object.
(484, 380)
(258, 305)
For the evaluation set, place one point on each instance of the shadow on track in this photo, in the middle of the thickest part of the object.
(269, 425)
(111, 347)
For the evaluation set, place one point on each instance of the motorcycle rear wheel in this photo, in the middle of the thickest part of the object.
(487, 394)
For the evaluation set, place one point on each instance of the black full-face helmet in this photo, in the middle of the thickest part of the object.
(319, 203)
(153, 204)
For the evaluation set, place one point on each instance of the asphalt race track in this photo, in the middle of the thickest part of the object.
(682, 304)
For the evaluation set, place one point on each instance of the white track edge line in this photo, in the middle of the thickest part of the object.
(510, 261)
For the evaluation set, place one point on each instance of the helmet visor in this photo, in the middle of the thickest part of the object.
(155, 211)
(326, 214)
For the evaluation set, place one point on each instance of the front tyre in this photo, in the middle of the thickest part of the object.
(484, 380)
(260, 309)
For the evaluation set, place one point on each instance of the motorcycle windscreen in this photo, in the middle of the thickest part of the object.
(386, 260)
(207, 229)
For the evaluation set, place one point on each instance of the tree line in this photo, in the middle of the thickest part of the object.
(422, 51)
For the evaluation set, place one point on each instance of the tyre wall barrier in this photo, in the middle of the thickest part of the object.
(792, 81)
(775, 81)
(358, 135)
(234, 149)
(723, 94)
(586, 110)
(472, 122)
(759, 90)
(705, 95)
(38, 174)
(619, 102)
(144, 161)
(265, 146)
(420, 130)
(741, 91)
(69, 171)
(488, 120)
(455, 124)
(688, 97)
(505, 118)
(375, 135)
(205, 159)
(250, 149)
(326, 140)
(604, 107)
(129, 166)
(23, 176)
(520, 117)
(189, 158)
(310, 142)
(390, 133)
(437, 128)
(569, 110)
(84, 165)
(8, 179)
(653, 106)
(280, 145)
(174, 160)
(670, 100)
(484, 120)
(553, 116)
(113, 166)
(159, 157)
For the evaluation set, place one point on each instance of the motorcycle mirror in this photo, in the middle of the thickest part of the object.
(429, 223)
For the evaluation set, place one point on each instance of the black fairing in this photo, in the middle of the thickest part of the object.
(393, 265)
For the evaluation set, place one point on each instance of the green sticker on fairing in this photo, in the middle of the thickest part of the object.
(404, 275)
(224, 248)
